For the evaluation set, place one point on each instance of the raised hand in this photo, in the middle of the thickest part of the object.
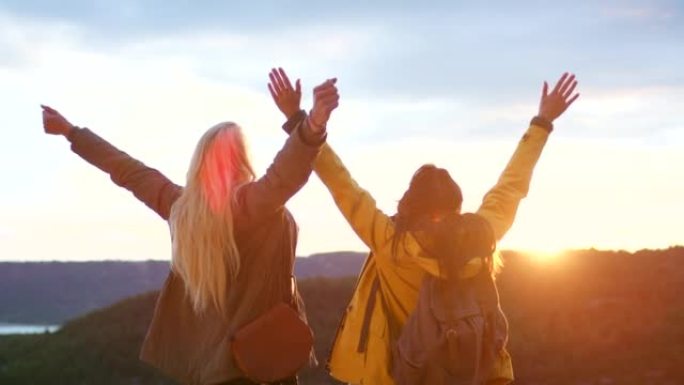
(285, 97)
(54, 123)
(552, 105)
(326, 99)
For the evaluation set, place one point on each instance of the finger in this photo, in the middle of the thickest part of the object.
(326, 97)
(329, 108)
(286, 80)
(335, 101)
(570, 90)
(274, 82)
(49, 109)
(545, 90)
(273, 94)
(330, 82)
(327, 102)
(559, 83)
(318, 87)
(281, 82)
(572, 100)
(325, 87)
(277, 81)
(325, 92)
(327, 82)
(298, 87)
(567, 83)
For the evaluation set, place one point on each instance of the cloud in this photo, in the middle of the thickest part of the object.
(490, 53)
(131, 19)
(23, 39)
(648, 114)
(443, 85)
(642, 13)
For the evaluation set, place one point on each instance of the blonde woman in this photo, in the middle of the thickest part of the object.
(233, 239)
(428, 237)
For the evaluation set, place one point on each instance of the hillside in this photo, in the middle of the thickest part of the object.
(588, 318)
(101, 348)
(54, 292)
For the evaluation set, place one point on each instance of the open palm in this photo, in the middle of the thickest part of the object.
(553, 104)
(285, 97)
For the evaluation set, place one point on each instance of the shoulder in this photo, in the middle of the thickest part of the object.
(243, 217)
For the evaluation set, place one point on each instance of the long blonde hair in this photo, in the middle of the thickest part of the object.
(205, 254)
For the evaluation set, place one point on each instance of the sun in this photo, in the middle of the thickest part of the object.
(544, 256)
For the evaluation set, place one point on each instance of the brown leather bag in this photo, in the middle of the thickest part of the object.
(274, 346)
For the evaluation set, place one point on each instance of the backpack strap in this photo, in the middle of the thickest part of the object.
(393, 330)
(488, 298)
(367, 315)
(487, 294)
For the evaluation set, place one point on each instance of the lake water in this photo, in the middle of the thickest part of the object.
(26, 329)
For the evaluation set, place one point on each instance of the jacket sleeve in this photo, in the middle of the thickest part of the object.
(500, 204)
(289, 171)
(147, 184)
(373, 226)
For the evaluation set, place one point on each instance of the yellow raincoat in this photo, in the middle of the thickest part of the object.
(358, 361)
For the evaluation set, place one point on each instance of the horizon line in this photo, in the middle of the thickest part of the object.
(518, 251)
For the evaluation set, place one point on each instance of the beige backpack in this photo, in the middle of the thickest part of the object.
(453, 336)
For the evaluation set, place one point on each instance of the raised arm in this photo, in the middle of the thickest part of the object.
(292, 166)
(355, 203)
(500, 204)
(371, 225)
(288, 172)
(147, 184)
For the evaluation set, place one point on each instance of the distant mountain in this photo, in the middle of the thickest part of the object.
(339, 264)
(53, 292)
(589, 317)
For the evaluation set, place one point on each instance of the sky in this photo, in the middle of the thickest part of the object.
(420, 82)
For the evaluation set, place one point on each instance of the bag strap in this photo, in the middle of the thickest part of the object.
(288, 273)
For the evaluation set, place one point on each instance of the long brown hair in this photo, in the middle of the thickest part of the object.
(205, 254)
(432, 206)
